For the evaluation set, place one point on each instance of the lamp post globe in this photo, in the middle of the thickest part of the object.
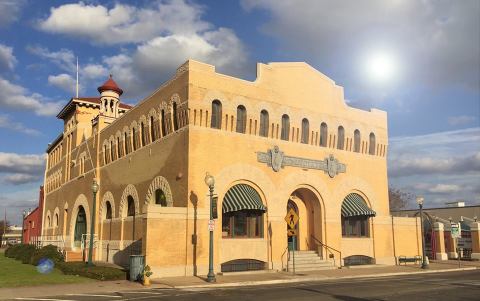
(210, 181)
(420, 200)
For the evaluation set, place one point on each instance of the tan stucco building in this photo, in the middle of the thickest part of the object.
(286, 140)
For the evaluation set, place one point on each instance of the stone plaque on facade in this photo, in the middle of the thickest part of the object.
(276, 159)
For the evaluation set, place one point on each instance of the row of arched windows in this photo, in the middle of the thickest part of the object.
(146, 131)
(53, 181)
(55, 155)
(307, 136)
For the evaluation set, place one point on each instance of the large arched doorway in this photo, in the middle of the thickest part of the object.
(309, 227)
(80, 227)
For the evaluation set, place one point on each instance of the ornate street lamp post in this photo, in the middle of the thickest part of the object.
(424, 260)
(92, 227)
(23, 223)
(210, 181)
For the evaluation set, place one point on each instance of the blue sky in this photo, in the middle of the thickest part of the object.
(418, 60)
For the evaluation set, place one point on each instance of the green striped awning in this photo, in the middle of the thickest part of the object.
(355, 205)
(240, 197)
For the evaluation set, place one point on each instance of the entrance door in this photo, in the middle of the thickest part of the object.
(292, 240)
(80, 227)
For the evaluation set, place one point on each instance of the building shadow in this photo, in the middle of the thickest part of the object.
(194, 201)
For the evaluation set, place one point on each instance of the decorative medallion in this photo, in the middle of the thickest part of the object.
(277, 160)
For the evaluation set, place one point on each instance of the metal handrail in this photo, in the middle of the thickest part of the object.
(288, 257)
(328, 249)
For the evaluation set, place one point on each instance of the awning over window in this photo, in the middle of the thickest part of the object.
(355, 205)
(241, 197)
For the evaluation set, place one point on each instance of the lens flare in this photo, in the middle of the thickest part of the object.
(45, 266)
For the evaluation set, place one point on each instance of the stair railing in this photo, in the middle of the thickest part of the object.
(329, 249)
(288, 257)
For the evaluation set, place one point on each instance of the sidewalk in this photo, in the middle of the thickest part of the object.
(232, 280)
(240, 279)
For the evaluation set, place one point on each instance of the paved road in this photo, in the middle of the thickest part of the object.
(442, 286)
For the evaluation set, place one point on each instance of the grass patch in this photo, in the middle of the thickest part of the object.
(13, 274)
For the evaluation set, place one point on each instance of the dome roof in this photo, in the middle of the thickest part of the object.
(110, 84)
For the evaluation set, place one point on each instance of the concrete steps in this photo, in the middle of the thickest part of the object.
(308, 261)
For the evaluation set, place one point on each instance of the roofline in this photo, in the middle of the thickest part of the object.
(54, 142)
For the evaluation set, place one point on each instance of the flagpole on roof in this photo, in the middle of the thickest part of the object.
(77, 80)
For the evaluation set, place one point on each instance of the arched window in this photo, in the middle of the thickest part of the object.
(323, 134)
(355, 216)
(341, 138)
(108, 214)
(49, 223)
(142, 130)
(134, 139)
(160, 198)
(56, 220)
(119, 150)
(164, 128)
(152, 129)
(264, 123)
(305, 130)
(125, 143)
(356, 141)
(175, 117)
(112, 151)
(241, 119)
(242, 212)
(285, 127)
(130, 206)
(372, 144)
(105, 153)
(216, 122)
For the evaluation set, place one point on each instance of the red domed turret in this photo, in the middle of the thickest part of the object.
(111, 85)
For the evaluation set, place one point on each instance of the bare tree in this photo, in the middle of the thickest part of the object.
(3, 228)
(398, 199)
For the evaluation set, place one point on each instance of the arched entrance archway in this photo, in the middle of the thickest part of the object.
(307, 205)
(80, 227)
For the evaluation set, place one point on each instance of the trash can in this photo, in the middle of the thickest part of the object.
(137, 263)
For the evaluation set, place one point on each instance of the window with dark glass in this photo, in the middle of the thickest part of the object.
(372, 144)
(160, 198)
(355, 226)
(264, 123)
(125, 143)
(356, 141)
(108, 214)
(323, 134)
(305, 130)
(130, 206)
(152, 129)
(164, 128)
(134, 139)
(175, 117)
(119, 150)
(244, 223)
(285, 127)
(143, 137)
(112, 151)
(341, 138)
(241, 119)
(216, 122)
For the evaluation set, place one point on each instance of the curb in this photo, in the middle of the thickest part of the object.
(317, 278)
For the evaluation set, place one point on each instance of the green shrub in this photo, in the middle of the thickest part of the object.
(24, 253)
(51, 252)
(95, 272)
(12, 250)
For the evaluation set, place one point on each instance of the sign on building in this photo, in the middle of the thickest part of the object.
(455, 230)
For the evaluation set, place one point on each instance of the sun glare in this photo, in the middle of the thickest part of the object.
(381, 67)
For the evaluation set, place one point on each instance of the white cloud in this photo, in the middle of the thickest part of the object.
(63, 81)
(7, 59)
(63, 58)
(17, 97)
(441, 166)
(9, 11)
(123, 23)
(461, 120)
(93, 71)
(435, 42)
(22, 163)
(19, 179)
(7, 123)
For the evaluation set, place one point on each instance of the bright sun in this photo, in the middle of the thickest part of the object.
(381, 67)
